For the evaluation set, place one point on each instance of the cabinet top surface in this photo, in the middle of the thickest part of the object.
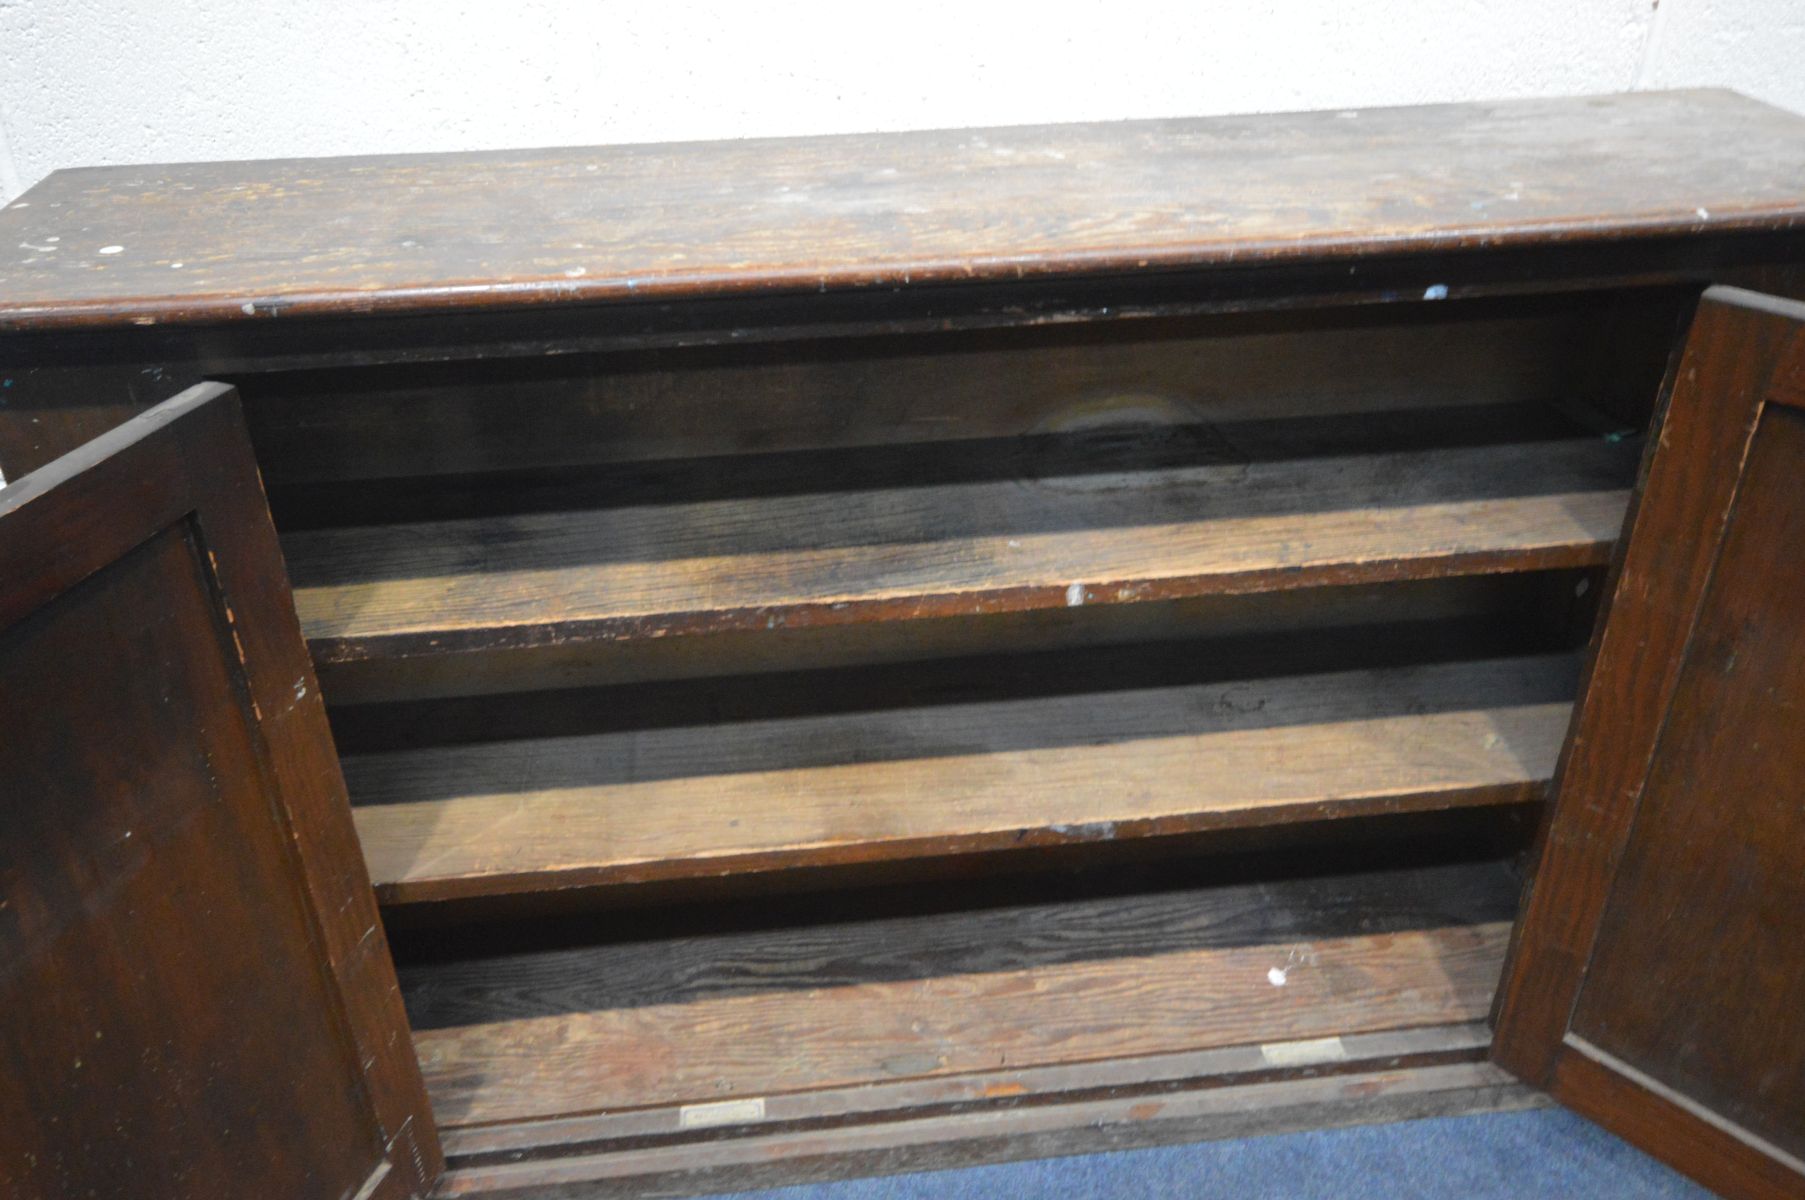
(205, 242)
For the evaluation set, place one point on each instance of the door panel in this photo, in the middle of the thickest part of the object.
(1657, 981)
(195, 996)
(1709, 900)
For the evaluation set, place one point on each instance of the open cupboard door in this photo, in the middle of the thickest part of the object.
(198, 997)
(1657, 982)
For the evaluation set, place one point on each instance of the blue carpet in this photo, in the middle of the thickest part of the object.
(1500, 1156)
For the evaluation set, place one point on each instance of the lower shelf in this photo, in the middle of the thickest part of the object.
(639, 806)
(598, 1044)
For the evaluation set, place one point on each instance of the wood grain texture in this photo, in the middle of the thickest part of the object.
(665, 405)
(1742, 352)
(1656, 977)
(198, 996)
(959, 1095)
(646, 805)
(603, 1028)
(982, 546)
(1655, 1118)
(1252, 1109)
(1720, 822)
(80, 830)
(1524, 606)
(1446, 621)
(1121, 436)
(530, 968)
(401, 234)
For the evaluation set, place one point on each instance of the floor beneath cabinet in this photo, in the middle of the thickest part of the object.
(1495, 1156)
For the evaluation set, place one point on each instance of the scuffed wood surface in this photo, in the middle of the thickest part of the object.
(227, 241)
(966, 547)
(187, 933)
(605, 1028)
(1720, 820)
(1003, 1133)
(1743, 352)
(762, 795)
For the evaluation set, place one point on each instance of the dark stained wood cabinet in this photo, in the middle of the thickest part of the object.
(867, 653)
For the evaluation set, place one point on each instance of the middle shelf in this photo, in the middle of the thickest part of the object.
(637, 805)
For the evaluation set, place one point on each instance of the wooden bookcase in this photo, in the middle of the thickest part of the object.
(874, 652)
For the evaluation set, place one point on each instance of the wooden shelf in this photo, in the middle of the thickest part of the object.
(992, 998)
(959, 547)
(647, 805)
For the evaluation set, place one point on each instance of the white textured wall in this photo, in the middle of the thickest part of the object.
(109, 81)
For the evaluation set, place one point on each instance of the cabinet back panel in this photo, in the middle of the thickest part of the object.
(500, 415)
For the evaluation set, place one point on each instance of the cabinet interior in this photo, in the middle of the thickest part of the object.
(778, 736)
